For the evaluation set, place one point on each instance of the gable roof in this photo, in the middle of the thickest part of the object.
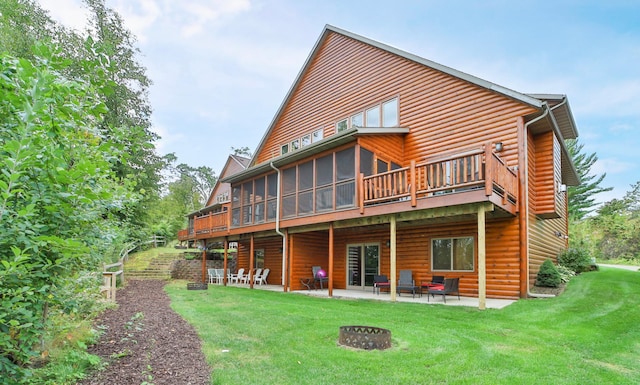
(328, 29)
(227, 171)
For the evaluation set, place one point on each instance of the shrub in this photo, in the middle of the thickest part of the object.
(548, 275)
(565, 273)
(576, 259)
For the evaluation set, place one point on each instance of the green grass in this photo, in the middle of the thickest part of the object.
(140, 260)
(589, 335)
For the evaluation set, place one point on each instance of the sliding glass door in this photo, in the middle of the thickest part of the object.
(363, 262)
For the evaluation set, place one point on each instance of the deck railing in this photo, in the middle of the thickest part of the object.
(479, 169)
(211, 222)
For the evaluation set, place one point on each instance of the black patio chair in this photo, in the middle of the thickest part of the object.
(380, 282)
(450, 287)
(406, 283)
(318, 277)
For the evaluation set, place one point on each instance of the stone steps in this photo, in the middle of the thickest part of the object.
(159, 268)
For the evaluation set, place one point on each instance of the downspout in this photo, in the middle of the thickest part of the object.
(284, 241)
(526, 194)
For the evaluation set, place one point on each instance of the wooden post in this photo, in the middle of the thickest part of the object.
(412, 186)
(392, 272)
(488, 169)
(482, 271)
(251, 262)
(361, 194)
(204, 265)
(330, 259)
(225, 264)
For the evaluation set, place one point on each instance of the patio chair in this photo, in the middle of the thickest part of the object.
(211, 275)
(436, 280)
(450, 287)
(406, 283)
(256, 273)
(380, 282)
(235, 278)
(318, 277)
(261, 278)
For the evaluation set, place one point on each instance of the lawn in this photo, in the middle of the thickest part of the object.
(589, 335)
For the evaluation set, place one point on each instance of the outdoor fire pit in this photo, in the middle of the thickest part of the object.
(365, 337)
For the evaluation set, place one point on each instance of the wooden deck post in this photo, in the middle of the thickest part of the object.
(360, 193)
(204, 265)
(412, 184)
(482, 271)
(392, 241)
(251, 262)
(331, 259)
(488, 169)
(224, 264)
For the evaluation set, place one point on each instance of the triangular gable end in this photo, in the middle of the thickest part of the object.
(267, 149)
(234, 165)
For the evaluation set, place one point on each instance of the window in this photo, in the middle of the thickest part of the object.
(342, 125)
(317, 135)
(306, 140)
(366, 161)
(356, 120)
(373, 117)
(452, 254)
(390, 113)
(295, 144)
(284, 149)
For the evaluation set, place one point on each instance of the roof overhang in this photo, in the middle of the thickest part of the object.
(325, 144)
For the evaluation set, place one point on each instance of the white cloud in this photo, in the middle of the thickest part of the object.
(611, 166)
(71, 13)
(167, 138)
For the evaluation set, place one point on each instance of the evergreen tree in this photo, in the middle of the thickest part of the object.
(581, 197)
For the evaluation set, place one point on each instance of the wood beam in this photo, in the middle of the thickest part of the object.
(225, 265)
(251, 262)
(482, 260)
(330, 260)
(392, 256)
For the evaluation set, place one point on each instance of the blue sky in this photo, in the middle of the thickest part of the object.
(221, 68)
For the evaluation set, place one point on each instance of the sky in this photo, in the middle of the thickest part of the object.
(221, 68)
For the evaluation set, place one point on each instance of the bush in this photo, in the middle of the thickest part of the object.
(548, 275)
(565, 273)
(576, 259)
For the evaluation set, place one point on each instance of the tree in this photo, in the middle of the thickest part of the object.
(57, 196)
(242, 151)
(129, 113)
(581, 197)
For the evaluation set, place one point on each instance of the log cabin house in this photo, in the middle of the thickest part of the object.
(379, 160)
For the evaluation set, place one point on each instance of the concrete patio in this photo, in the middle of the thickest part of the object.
(452, 300)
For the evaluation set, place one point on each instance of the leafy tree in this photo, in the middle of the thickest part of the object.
(618, 227)
(242, 151)
(581, 197)
(57, 196)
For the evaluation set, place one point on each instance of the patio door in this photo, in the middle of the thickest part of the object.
(363, 262)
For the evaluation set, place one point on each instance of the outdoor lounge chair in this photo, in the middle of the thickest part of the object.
(211, 275)
(406, 282)
(380, 282)
(261, 278)
(319, 279)
(436, 280)
(235, 278)
(450, 287)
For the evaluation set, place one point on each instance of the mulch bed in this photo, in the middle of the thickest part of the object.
(145, 340)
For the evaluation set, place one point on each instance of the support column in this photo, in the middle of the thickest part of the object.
(251, 262)
(330, 259)
(482, 263)
(204, 265)
(392, 257)
(224, 265)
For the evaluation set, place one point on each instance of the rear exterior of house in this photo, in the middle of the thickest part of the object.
(379, 161)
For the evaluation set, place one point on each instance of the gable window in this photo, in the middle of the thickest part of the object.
(452, 254)
(295, 144)
(305, 140)
(284, 149)
(342, 125)
(317, 135)
(357, 120)
(373, 116)
(390, 113)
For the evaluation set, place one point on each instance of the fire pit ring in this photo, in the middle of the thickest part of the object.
(365, 337)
